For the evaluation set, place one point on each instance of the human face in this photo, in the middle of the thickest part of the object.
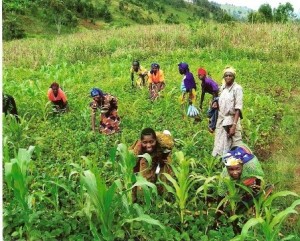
(229, 78)
(154, 69)
(201, 76)
(235, 172)
(148, 144)
(55, 90)
(135, 67)
(97, 98)
(181, 71)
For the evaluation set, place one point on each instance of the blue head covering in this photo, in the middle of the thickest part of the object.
(96, 91)
(155, 65)
(183, 66)
(239, 153)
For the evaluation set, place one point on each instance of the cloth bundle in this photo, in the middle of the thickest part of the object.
(192, 111)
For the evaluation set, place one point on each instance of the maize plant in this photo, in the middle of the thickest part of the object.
(127, 180)
(102, 199)
(269, 220)
(182, 184)
(16, 177)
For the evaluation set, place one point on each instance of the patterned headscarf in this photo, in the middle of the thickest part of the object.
(237, 155)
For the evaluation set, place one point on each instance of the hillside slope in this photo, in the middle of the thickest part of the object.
(51, 17)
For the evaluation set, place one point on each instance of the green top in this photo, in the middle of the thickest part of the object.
(250, 169)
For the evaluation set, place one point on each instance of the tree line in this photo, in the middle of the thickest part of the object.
(282, 14)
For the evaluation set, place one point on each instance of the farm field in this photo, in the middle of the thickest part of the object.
(75, 184)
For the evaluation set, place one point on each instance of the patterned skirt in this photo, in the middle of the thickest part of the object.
(109, 122)
(154, 90)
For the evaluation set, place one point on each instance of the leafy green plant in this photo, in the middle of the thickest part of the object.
(107, 203)
(102, 199)
(14, 131)
(16, 177)
(209, 183)
(181, 186)
(232, 198)
(269, 220)
(125, 160)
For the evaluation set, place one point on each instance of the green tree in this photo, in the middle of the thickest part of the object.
(256, 17)
(284, 12)
(266, 11)
(12, 27)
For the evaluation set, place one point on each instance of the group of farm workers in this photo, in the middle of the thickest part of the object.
(225, 114)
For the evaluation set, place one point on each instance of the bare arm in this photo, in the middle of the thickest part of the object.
(202, 98)
(235, 120)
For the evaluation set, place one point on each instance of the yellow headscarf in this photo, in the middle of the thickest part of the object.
(229, 69)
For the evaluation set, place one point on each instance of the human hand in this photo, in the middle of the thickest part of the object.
(231, 131)
(214, 105)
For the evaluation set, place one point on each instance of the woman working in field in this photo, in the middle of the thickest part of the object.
(156, 80)
(242, 166)
(138, 74)
(188, 90)
(108, 106)
(158, 145)
(241, 181)
(207, 85)
(57, 97)
(228, 127)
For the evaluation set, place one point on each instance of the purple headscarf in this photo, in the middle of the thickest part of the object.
(183, 66)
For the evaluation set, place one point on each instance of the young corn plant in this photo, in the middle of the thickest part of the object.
(124, 161)
(16, 177)
(210, 165)
(181, 184)
(106, 203)
(268, 220)
(102, 199)
(15, 131)
(232, 198)
(209, 183)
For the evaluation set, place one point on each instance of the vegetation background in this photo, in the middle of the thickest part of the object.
(53, 200)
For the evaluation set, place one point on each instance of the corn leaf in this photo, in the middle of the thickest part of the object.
(249, 224)
(270, 199)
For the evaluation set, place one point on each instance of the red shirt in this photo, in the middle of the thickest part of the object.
(60, 95)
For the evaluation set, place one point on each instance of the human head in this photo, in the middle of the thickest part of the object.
(148, 140)
(135, 65)
(229, 75)
(234, 167)
(183, 67)
(54, 86)
(96, 93)
(202, 73)
(154, 67)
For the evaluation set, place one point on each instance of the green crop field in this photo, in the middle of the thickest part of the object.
(61, 181)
